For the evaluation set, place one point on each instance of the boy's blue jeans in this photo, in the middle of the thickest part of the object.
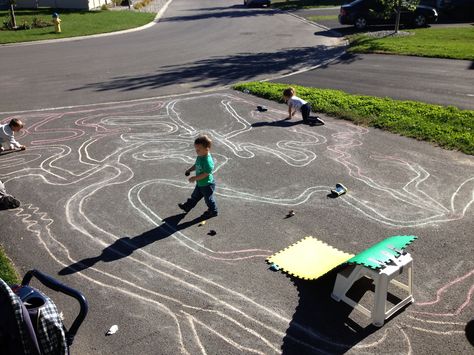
(199, 192)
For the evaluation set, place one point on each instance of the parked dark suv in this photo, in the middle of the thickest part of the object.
(452, 6)
(363, 13)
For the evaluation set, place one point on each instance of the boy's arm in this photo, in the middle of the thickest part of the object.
(14, 143)
(290, 114)
(207, 170)
(198, 177)
(191, 168)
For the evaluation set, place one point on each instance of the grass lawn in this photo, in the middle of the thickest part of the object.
(74, 23)
(306, 4)
(7, 272)
(453, 43)
(448, 127)
(322, 18)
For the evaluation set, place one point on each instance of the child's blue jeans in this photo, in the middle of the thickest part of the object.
(199, 192)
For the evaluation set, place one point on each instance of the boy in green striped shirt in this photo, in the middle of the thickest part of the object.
(205, 184)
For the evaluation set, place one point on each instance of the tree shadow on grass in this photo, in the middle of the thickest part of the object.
(125, 246)
(220, 70)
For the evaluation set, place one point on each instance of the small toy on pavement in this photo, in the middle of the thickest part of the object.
(113, 329)
(274, 267)
(339, 190)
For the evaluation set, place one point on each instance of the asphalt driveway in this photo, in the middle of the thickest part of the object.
(100, 184)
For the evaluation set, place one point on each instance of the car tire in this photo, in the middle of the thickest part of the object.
(419, 20)
(360, 23)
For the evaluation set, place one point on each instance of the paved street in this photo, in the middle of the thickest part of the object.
(438, 81)
(432, 80)
(101, 179)
(196, 47)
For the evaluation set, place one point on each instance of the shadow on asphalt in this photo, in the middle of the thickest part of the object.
(346, 58)
(235, 12)
(324, 324)
(125, 246)
(218, 8)
(470, 332)
(284, 123)
(220, 70)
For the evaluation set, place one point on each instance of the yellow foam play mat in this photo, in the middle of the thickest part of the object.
(309, 258)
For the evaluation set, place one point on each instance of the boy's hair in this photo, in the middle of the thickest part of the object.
(289, 92)
(15, 122)
(205, 141)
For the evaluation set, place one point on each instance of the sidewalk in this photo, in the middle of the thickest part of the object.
(154, 6)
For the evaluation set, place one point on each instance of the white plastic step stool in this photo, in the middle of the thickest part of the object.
(381, 277)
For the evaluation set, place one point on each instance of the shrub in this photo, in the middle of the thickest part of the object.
(104, 7)
(140, 4)
(40, 23)
(7, 24)
(24, 26)
(446, 126)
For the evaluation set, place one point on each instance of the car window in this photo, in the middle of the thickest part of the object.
(375, 5)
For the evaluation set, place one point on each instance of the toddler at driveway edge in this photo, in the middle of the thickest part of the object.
(296, 104)
(205, 184)
(7, 135)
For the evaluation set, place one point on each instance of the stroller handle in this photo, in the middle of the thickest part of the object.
(55, 285)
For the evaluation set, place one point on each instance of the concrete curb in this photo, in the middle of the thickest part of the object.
(80, 38)
(344, 44)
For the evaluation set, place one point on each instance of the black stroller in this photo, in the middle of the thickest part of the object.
(29, 320)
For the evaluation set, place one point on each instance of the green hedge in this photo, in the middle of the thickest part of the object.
(447, 126)
(7, 272)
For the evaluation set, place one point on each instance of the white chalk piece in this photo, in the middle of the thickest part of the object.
(113, 329)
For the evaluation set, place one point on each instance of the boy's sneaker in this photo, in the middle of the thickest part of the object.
(2, 149)
(210, 214)
(183, 207)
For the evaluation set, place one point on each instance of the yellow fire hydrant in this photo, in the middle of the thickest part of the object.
(57, 23)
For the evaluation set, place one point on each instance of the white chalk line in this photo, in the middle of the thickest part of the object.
(226, 192)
